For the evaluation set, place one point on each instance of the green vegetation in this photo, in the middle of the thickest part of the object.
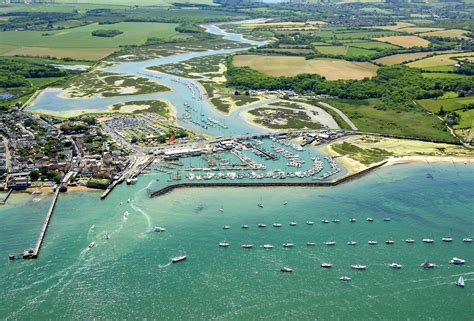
(275, 118)
(107, 33)
(143, 106)
(365, 156)
(451, 104)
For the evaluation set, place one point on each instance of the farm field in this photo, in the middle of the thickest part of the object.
(450, 104)
(396, 26)
(401, 58)
(344, 50)
(332, 69)
(370, 44)
(439, 60)
(420, 29)
(443, 75)
(405, 41)
(368, 118)
(450, 33)
(78, 42)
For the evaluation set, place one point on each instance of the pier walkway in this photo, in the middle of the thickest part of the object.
(44, 226)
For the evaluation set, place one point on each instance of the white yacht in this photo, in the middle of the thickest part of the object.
(224, 244)
(268, 246)
(372, 242)
(467, 240)
(447, 239)
(345, 278)
(409, 241)
(244, 226)
(330, 243)
(293, 223)
(460, 282)
(352, 220)
(358, 267)
(427, 265)
(311, 244)
(428, 241)
(395, 266)
(277, 225)
(457, 261)
(91, 244)
(387, 219)
(92, 227)
(352, 243)
(247, 246)
(177, 259)
(287, 244)
(309, 222)
(226, 227)
(325, 221)
(326, 265)
(262, 225)
(370, 219)
(389, 242)
(286, 269)
(159, 229)
(336, 220)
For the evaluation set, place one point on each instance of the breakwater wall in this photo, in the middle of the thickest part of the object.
(334, 182)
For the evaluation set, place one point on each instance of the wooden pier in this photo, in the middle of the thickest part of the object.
(4, 200)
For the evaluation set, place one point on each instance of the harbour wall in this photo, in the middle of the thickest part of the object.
(334, 182)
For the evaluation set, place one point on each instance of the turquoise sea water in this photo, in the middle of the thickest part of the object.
(129, 276)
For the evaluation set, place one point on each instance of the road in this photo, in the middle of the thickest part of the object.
(340, 113)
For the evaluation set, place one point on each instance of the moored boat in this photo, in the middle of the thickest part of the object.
(268, 246)
(262, 225)
(247, 246)
(277, 225)
(352, 243)
(387, 219)
(244, 226)
(409, 241)
(159, 229)
(287, 244)
(293, 223)
(345, 278)
(447, 239)
(372, 242)
(326, 265)
(457, 261)
(352, 220)
(286, 269)
(325, 221)
(226, 227)
(370, 219)
(395, 266)
(336, 220)
(427, 265)
(389, 242)
(428, 241)
(224, 244)
(330, 243)
(311, 244)
(358, 267)
(467, 240)
(309, 222)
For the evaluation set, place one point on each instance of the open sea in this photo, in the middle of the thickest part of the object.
(130, 275)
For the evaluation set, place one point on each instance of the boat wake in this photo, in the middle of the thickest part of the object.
(144, 214)
(162, 266)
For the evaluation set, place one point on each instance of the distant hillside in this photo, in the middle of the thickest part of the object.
(128, 2)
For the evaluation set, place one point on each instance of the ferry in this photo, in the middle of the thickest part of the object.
(352, 220)
(224, 244)
(91, 244)
(345, 278)
(409, 241)
(326, 265)
(447, 239)
(460, 282)
(286, 269)
(352, 243)
(311, 244)
(369, 219)
(287, 244)
(389, 242)
(309, 222)
(330, 243)
(457, 261)
(262, 225)
(244, 226)
(247, 246)
(268, 246)
(395, 266)
(427, 265)
(159, 229)
(467, 240)
(177, 259)
(277, 225)
(358, 267)
(428, 241)
(372, 242)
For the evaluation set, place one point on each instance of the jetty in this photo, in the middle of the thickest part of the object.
(4, 200)
(334, 182)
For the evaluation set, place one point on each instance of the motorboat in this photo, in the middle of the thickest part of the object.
(287, 244)
(224, 244)
(309, 222)
(409, 241)
(352, 243)
(330, 243)
(159, 229)
(268, 246)
(358, 267)
(460, 282)
(277, 225)
(395, 266)
(177, 259)
(370, 219)
(447, 239)
(131, 181)
(457, 261)
(262, 225)
(293, 223)
(326, 265)
(125, 214)
(325, 221)
(92, 227)
(91, 244)
(286, 269)
(245, 226)
(372, 242)
(247, 246)
(285, 202)
(428, 241)
(311, 244)
(427, 265)
(352, 220)
(107, 236)
(389, 242)
(226, 227)
(345, 278)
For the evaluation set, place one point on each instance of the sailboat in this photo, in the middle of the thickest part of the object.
(460, 282)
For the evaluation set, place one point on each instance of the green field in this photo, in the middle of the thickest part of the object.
(344, 50)
(368, 118)
(443, 75)
(450, 104)
(79, 43)
(371, 45)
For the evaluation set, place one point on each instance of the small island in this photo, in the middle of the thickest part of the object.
(109, 33)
